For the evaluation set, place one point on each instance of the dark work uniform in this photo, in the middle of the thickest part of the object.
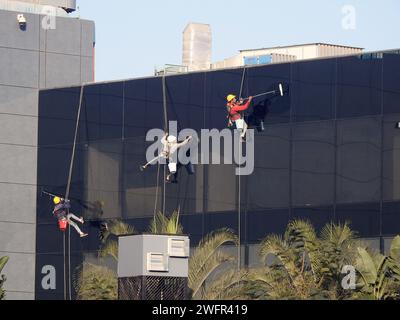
(61, 210)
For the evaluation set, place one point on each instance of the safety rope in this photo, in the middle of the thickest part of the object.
(240, 185)
(71, 166)
(164, 85)
(65, 266)
(158, 186)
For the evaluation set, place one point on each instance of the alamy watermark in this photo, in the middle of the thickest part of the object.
(349, 280)
(235, 151)
(349, 20)
(49, 21)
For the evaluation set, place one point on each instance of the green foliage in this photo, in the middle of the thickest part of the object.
(380, 275)
(305, 266)
(162, 224)
(110, 241)
(3, 262)
(95, 282)
(205, 260)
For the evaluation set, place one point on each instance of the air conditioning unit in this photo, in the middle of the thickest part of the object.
(153, 267)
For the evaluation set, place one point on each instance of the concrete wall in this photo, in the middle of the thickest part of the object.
(30, 60)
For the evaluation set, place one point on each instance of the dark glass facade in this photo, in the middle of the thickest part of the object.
(330, 152)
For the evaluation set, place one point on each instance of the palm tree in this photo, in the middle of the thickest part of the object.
(3, 262)
(110, 241)
(206, 259)
(162, 224)
(380, 275)
(95, 282)
(337, 248)
(305, 266)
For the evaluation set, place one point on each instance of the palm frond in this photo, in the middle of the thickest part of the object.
(207, 257)
(3, 262)
(229, 286)
(116, 228)
(110, 249)
(162, 224)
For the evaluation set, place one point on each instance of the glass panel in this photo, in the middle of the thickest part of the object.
(221, 190)
(260, 224)
(103, 110)
(186, 100)
(391, 219)
(359, 88)
(216, 221)
(371, 243)
(364, 218)
(313, 164)
(391, 157)
(313, 90)
(359, 160)
(268, 186)
(271, 108)
(387, 244)
(391, 82)
(319, 217)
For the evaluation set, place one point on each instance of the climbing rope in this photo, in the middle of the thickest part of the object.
(71, 166)
(65, 266)
(240, 184)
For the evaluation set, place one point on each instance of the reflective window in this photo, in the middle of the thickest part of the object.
(391, 82)
(260, 224)
(319, 217)
(268, 186)
(103, 111)
(313, 90)
(313, 163)
(363, 218)
(273, 108)
(391, 157)
(391, 219)
(186, 100)
(221, 188)
(359, 87)
(221, 220)
(359, 160)
(388, 244)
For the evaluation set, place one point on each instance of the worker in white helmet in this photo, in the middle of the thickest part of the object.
(170, 147)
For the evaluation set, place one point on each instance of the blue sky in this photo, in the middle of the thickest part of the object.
(134, 36)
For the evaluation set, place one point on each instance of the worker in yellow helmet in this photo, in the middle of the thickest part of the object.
(235, 113)
(64, 217)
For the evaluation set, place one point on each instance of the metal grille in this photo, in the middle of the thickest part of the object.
(152, 288)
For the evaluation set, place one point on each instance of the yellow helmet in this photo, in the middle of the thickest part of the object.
(57, 200)
(230, 97)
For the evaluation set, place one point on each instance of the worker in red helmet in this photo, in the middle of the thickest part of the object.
(61, 212)
(235, 113)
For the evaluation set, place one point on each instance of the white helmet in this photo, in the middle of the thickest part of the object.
(172, 139)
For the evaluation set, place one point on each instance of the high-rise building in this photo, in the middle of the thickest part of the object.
(329, 151)
(40, 47)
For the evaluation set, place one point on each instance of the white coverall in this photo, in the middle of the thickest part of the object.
(169, 148)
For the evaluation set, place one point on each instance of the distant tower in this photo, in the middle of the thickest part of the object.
(67, 5)
(197, 42)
